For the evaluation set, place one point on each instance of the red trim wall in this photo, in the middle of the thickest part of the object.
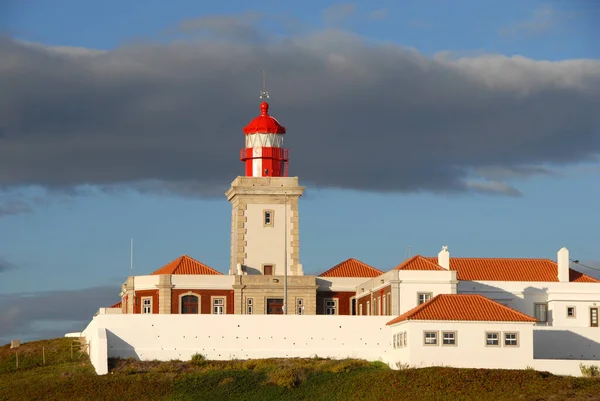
(373, 298)
(205, 300)
(137, 307)
(343, 301)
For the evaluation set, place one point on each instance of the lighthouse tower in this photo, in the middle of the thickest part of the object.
(265, 232)
(265, 236)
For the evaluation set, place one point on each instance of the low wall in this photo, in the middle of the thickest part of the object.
(222, 337)
(560, 366)
(579, 343)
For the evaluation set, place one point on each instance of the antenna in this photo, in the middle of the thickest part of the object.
(408, 252)
(131, 259)
(264, 95)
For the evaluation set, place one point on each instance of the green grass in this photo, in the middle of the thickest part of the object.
(267, 379)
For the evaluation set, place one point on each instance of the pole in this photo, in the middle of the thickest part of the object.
(285, 304)
(131, 259)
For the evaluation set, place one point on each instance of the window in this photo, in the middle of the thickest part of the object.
(540, 312)
(570, 311)
(189, 304)
(299, 306)
(400, 339)
(430, 338)
(268, 270)
(511, 339)
(249, 306)
(423, 297)
(268, 217)
(330, 307)
(449, 338)
(492, 339)
(218, 306)
(147, 305)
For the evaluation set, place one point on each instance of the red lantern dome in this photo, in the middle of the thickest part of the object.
(264, 124)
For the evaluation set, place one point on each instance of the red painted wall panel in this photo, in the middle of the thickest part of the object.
(205, 299)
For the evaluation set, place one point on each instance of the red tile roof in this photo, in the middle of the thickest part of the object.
(117, 305)
(463, 307)
(352, 268)
(418, 262)
(510, 269)
(186, 265)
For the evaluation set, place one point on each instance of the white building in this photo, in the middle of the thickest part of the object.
(538, 310)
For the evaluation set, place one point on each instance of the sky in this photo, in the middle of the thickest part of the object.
(412, 124)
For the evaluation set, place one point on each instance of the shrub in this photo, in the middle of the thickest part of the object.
(589, 370)
(286, 377)
(198, 360)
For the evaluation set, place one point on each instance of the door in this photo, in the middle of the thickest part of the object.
(274, 306)
(268, 270)
(594, 317)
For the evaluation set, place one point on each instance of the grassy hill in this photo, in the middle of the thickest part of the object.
(72, 378)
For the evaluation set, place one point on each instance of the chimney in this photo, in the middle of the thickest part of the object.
(444, 258)
(563, 265)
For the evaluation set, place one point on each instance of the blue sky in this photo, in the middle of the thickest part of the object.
(76, 236)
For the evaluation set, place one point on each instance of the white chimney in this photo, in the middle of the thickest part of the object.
(563, 265)
(444, 258)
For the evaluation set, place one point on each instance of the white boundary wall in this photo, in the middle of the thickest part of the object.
(222, 337)
(567, 343)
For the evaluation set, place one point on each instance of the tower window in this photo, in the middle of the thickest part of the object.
(268, 270)
(268, 218)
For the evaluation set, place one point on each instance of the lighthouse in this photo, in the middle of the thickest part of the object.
(265, 231)
(264, 154)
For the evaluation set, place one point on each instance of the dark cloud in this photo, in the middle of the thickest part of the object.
(5, 265)
(360, 115)
(51, 314)
(14, 206)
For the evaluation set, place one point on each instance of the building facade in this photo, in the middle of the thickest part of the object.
(266, 276)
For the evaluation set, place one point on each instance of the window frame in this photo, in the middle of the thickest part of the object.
(299, 306)
(249, 306)
(188, 293)
(535, 311)
(574, 316)
(454, 338)
(504, 339)
(436, 337)
(498, 337)
(272, 269)
(150, 306)
(271, 217)
(334, 307)
(430, 294)
(213, 304)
